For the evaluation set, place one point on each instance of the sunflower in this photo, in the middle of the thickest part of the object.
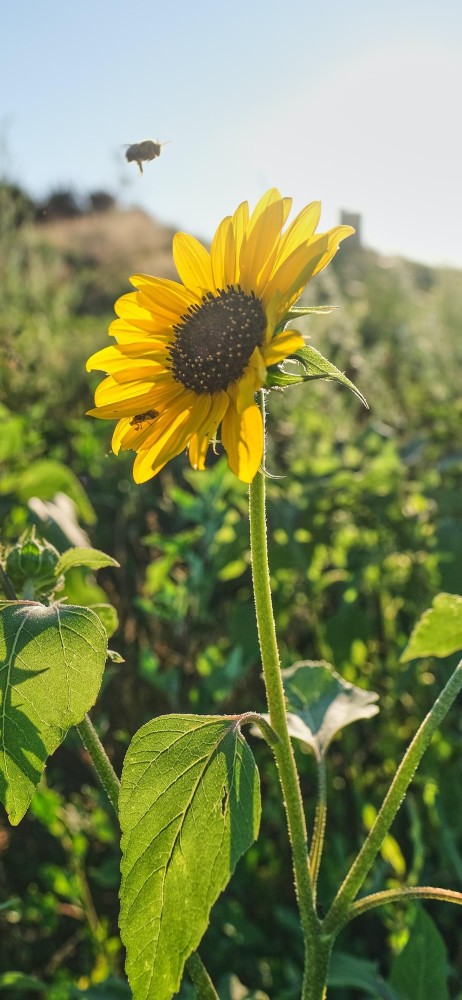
(191, 355)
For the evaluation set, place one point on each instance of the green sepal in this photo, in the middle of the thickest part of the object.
(315, 367)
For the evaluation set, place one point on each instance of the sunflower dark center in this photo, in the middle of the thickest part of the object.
(215, 339)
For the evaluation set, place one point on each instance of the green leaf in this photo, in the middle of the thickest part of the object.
(16, 982)
(51, 664)
(316, 367)
(358, 973)
(92, 558)
(46, 477)
(320, 703)
(108, 617)
(420, 972)
(189, 807)
(439, 631)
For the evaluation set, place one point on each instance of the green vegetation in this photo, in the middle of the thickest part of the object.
(365, 527)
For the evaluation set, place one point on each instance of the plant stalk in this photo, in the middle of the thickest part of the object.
(100, 760)
(337, 916)
(200, 978)
(317, 841)
(399, 895)
(313, 988)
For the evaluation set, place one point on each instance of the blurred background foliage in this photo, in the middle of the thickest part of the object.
(365, 526)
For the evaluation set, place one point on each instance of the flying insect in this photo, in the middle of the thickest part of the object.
(142, 152)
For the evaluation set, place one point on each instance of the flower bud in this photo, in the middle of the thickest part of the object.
(31, 567)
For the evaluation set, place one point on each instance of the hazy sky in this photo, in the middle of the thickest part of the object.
(355, 102)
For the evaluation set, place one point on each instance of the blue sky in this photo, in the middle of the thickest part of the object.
(356, 103)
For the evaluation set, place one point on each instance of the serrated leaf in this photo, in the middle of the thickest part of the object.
(189, 807)
(439, 630)
(320, 703)
(92, 558)
(51, 664)
(420, 972)
(108, 617)
(315, 367)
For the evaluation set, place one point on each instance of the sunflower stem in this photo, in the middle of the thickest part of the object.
(317, 949)
(338, 913)
(100, 760)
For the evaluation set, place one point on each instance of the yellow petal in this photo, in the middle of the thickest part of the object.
(126, 332)
(294, 273)
(242, 437)
(281, 346)
(171, 433)
(335, 237)
(260, 248)
(223, 253)
(287, 205)
(192, 262)
(270, 197)
(240, 222)
(131, 434)
(114, 359)
(109, 391)
(200, 441)
(129, 310)
(243, 391)
(299, 231)
(161, 294)
(198, 448)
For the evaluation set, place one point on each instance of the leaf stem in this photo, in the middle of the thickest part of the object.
(397, 895)
(360, 868)
(100, 760)
(199, 976)
(319, 828)
(283, 751)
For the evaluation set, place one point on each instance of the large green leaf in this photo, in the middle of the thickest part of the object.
(320, 703)
(439, 631)
(420, 972)
(189, 808)
(51, 665)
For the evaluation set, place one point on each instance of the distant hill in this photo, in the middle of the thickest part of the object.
(120, 241)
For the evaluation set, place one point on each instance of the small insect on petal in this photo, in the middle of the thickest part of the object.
(141, 152)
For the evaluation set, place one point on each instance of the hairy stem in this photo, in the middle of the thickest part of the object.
(100, 760)
(200, 978)
(282, 750)
(403, 777)
(398, 895)
(319, 828)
